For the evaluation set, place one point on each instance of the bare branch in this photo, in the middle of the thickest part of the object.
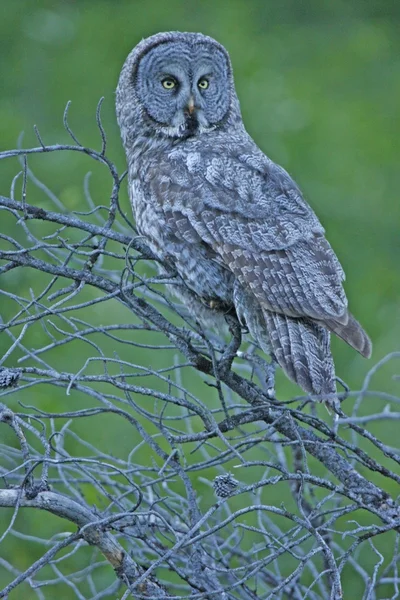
(90, 529)
(160, 442)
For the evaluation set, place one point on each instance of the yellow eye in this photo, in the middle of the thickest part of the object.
(203, 83)
(168, 83)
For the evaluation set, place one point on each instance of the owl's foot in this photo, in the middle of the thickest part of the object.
(214, 305)
(270, 378)
(225, 362)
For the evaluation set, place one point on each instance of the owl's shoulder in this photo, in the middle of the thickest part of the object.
(232, 169)
(238, 155)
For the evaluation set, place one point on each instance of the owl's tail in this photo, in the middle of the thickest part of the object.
(352, 333)
(300, 346)
(302, 349)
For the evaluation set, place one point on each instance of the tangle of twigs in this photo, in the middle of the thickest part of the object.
(125, 420)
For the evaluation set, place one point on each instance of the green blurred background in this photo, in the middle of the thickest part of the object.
(319, 85)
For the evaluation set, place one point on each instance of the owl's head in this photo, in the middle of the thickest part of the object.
(179, 84)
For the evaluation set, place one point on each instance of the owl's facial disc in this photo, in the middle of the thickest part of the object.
(184, 88)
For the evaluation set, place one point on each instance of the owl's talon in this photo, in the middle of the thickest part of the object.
(226, 360)
(213, 304)
(270, 378)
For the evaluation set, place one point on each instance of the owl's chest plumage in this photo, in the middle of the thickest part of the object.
(195, 261)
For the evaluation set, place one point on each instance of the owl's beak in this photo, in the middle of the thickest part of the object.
(190, 105)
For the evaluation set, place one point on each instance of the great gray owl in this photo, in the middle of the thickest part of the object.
(233, 223)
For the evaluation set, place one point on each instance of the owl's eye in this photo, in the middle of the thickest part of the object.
(168, 83)
(203, 83)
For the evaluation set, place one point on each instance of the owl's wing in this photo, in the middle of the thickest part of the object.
(254, 217)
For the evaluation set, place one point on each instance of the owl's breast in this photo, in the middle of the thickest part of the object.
(193, 260)
(149, 218)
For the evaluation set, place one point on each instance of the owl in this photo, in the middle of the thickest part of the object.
(234, 225)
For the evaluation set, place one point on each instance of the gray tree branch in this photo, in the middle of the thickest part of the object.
(159, 503)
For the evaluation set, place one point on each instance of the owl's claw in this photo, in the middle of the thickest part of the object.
(270, 378)
(214, 304)
(225, 362)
